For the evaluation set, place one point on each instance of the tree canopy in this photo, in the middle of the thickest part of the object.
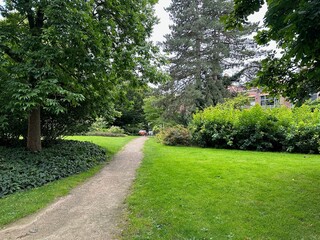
(59, 57)
(200, 49)
(295, 26)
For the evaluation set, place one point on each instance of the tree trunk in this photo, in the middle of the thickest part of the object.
(34, 131)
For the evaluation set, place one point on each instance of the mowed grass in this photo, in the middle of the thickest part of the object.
(18, 205)
(112, 144)
(196, 193)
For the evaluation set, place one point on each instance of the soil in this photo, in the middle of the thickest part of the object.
(92, 210)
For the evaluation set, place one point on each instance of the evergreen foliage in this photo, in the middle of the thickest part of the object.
(200, 49)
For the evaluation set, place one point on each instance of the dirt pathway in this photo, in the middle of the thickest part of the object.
(90, 211)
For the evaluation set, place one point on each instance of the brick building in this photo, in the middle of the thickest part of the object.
(256, 96)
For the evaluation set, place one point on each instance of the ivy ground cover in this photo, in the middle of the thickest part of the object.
(20, 204)
(197, 193)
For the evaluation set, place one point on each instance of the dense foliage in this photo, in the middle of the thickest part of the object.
(200, 49)
(256, 128)
(129, 105)
(175, 135)
(21, 169)
(295, 26)
(64, 61)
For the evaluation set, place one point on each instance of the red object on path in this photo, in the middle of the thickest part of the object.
(143, 133)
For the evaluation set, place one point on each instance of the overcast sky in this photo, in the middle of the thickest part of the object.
(163, 27)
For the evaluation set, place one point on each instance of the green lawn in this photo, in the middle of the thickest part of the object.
(112, 144)
(196, 193)
(21, 204)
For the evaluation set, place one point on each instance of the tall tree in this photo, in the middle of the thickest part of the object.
(59, 56)
(200, 50)
(295, 26)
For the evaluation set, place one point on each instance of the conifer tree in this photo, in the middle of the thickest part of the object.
(200, 49)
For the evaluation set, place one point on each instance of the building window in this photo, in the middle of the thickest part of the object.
(270, 102)
(252, 101)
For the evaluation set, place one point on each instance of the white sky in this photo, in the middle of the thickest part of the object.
(163, 27)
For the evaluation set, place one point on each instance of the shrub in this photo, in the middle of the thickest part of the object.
(115, 129)
(256, 128)
(156, 129)
(303, 139)
(172, 136)
(21, 169)
(213, 127)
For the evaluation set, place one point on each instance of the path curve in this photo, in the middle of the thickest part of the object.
(90, 211)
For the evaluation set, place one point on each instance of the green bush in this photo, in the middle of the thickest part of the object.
(173, 136)
(115, 129)
(213, 127)
(257, 128)
(303, 139)
(21, 169)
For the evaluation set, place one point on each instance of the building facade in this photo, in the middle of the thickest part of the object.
(256, 96)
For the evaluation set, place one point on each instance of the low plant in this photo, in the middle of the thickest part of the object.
(21, 169)
(173, 136)
(21, 204)
(113, 131)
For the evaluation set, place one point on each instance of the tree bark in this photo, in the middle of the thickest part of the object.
(34, 131)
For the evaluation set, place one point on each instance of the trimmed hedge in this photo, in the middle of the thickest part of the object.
(257, 128)
(21, 169)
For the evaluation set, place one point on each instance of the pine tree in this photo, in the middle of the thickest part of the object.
(200, 49)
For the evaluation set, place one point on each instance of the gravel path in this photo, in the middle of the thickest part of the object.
(91, 211)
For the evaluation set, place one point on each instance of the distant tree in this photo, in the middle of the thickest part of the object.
(295, 26)
(130, 107)
(63, 57)
(200, 49)
(153, 111)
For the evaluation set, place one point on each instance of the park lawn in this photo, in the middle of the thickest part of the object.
(112, 144)
(196, 193)
(18, 205)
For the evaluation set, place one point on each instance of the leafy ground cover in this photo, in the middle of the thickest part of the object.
(18, 205)
(22, 170)
(196, 193)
